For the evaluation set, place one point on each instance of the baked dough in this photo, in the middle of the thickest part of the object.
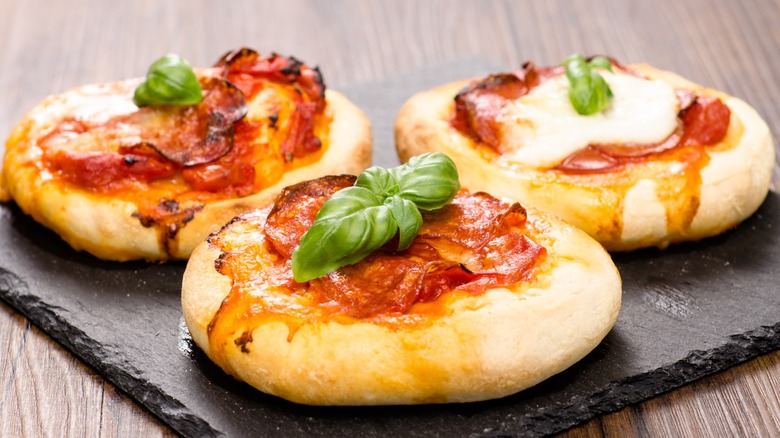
(462, 347)
(651, 203)
(104, 223)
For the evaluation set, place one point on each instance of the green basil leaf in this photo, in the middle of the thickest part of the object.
(352, 224)
(357, 220)
(576, 67)
(589, 93)
(601, 62)
(429, 180)
(408, 218)
(602, 95)
(379, 180)
(170, 80)
(580, 94)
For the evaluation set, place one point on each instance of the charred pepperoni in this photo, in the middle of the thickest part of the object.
(192, 134)
(296, 208)
(476, 242)
(105, 170)
(478, 105)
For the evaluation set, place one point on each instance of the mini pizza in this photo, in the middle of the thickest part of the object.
(664, 161)
(487, 299)
(125, 180)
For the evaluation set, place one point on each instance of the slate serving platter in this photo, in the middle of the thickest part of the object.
(689, 311)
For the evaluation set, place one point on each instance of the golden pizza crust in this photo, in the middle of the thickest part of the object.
(484, 346)
(732, 185)
(105, 227)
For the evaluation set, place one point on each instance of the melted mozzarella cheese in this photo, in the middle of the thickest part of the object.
(542, 128)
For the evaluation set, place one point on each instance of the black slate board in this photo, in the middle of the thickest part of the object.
(689, 311)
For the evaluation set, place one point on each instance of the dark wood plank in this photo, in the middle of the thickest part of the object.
(46, 391)
(741, 401)
(47, 47)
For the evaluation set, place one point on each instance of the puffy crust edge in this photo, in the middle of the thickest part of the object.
(734, 182)
(104, 226)
(489, 346)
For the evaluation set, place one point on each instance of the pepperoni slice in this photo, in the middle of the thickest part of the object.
(588, 160)
(478, 106)
(475, 243)
(443, 279)
(104, 170)
(192, 134)
(300, 140)
(705, 122)
(467, 222)
(382, 283)
(243, 66)
(296, 208)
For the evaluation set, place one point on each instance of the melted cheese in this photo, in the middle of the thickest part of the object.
(542, 128)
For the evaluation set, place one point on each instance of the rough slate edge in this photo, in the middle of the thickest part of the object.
(635, 389)
(551, 419)
(16, 293)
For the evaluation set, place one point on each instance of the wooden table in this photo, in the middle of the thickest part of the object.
(47, 47)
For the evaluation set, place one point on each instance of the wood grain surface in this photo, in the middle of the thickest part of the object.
(47, 47)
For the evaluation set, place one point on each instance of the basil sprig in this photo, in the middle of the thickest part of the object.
(588, 91)
(170, 80)
(357, 220)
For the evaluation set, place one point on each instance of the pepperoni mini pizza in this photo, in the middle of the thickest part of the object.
(663, 160)
(127, 182)
(489, 298)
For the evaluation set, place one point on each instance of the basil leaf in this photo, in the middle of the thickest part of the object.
(408, 218)
(602, 95)
(352, 224)
(576, 67)
(601, 62)
(379, 180)
(170, 80)
(357, 220)
(429, 180)
(580, 94)
(589, 93)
